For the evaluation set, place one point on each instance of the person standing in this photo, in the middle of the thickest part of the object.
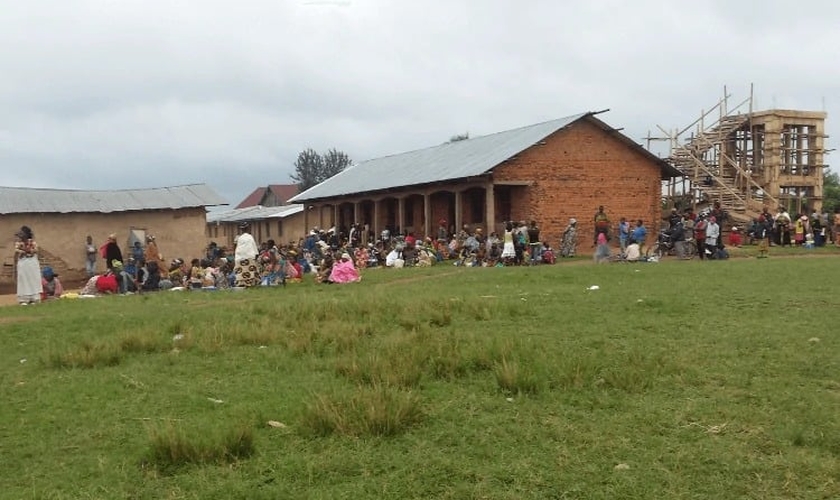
(152, 254)
(602, 225)
(836, 231)
(112, 252)
(90, 257)
(678, 239)
(245, 258)
(534, 243)
(623, 235)
(508, 250)
(29, 285)
(569, 241)
(700, 231)
(640, 234)
(712, 236)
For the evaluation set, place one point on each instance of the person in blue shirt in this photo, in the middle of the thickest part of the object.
(640, 233)
(623, 234)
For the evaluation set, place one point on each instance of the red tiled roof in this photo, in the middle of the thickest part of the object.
(282, 191)
(253, 199)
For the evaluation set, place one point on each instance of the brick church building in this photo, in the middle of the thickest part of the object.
(548, 172)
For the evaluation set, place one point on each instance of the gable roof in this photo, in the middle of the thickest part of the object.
(253, 199)
(456, 160)
(18, 200)
(449, 161)
(283, 192)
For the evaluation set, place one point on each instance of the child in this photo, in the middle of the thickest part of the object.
(735, 239)
(548, 254)
(623, 235)
(602, 252)
(51, 284)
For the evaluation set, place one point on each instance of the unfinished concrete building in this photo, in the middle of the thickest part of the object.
(748, 160)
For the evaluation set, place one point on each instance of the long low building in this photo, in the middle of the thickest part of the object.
(548, 172)
(62, 219)
(283, 224)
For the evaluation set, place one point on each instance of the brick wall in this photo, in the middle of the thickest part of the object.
(573, 172)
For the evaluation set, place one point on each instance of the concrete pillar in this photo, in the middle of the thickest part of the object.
(335, 217)
(427, 215)
(401, 213)
(458, 209)
(356, 216)
(490, 209)
(375, 226)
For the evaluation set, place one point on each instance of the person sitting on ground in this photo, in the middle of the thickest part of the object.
(633, 252)
(106, 283)
(548, 256)
(50, 284)
(196, 274)
(325, 269)
(343, 271)
(362, 256)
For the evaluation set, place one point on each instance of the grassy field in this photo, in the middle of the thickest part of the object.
(672, 380)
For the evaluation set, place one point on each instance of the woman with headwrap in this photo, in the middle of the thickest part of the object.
(569, 241)
(28, 268)
(245, 258)
(344, 271)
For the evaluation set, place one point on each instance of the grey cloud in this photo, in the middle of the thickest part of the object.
(229, 93)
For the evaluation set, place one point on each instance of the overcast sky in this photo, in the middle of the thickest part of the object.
(127, 94)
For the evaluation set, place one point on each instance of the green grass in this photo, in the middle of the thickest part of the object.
(698, 380)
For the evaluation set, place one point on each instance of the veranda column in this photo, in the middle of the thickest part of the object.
(375, 226)
(490, 209)
(401, 214)
(335, 217)
(320, 216)
(427, 214)
(306, 227)
(356, 205)
(458, 208)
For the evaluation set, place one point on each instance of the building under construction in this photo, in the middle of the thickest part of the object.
(748, 160)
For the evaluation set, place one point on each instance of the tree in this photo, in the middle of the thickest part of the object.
(460, 137)
(312, 168)
(335, 161)
(831, 190)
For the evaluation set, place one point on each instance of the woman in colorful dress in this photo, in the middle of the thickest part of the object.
(567, 246)
(245, 259)
(28, 268)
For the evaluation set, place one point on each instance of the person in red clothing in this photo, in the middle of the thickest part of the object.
(700, 235)
(735, 239)
(107, 283)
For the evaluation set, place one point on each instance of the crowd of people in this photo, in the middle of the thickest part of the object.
(334, 256)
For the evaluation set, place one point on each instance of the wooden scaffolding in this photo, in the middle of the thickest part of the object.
(748, 160)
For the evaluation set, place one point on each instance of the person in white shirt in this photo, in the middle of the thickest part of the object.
(633, 252)
(712, 236)
(245, 258)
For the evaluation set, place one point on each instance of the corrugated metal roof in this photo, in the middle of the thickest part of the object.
(455, 160)
(16, 200)
(254, 213)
